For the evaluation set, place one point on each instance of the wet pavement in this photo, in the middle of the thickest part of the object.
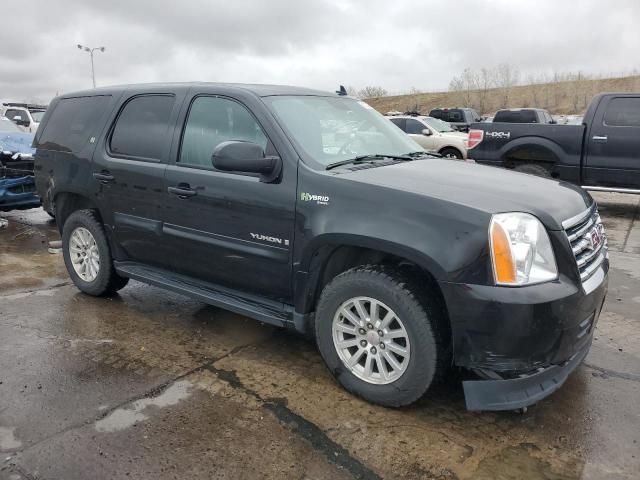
(149, 384)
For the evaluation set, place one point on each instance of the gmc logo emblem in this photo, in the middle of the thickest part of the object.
(594, 239)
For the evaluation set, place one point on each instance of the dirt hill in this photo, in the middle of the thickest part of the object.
(567, 97)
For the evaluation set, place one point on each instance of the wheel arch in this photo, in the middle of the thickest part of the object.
(65, 203)
(332, 254)
(531, 150)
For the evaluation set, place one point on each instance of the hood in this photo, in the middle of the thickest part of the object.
(16, 142)
(489, 189)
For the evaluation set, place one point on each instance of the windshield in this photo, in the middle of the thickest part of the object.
(333, 129)
(438, 125)
(37, 115)
(7, 125)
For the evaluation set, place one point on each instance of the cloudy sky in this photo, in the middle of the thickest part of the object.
(396, 44)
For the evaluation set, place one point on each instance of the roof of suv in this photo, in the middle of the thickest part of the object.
(258, 89)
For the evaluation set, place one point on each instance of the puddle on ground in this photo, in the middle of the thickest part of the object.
(8, 440)
(125, 417)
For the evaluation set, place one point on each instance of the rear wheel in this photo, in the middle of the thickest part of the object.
(379, 335)
(87, 256)
(533, 169)
(450, 152)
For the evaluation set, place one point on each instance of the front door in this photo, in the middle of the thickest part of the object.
(613, 143)
(128, 173)
(231, 230)
(414, 129)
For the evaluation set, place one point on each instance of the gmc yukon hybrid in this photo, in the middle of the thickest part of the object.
(600, 154)
(310, 210)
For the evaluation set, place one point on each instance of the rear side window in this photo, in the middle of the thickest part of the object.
(72, 123)
(399, 122)
(213, 120)
(623, 112)
(437, 114)
(142, 127)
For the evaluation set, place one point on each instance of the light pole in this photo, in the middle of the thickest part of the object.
(91, 50)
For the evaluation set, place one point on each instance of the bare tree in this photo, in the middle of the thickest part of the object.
(507, 76)
(372, 92)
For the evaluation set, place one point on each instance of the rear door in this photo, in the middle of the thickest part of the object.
(231, 229)
(128, 173)
(613, 143)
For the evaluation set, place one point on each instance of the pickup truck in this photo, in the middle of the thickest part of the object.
(603, 153)
(311, 211)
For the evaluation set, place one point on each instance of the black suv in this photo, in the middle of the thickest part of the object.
(460, 118)
(310, 210)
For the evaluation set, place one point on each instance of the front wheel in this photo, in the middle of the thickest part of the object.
(451, 153)
(87, 256)
(379, 334)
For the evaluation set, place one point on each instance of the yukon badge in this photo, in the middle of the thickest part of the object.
(267, 238)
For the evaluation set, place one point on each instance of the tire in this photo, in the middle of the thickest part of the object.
(450, 152)
(421, 317)
(533, 169)
(106, 281)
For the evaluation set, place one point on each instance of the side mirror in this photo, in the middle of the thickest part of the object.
(426, 132)
(553, 122)
(246, 157)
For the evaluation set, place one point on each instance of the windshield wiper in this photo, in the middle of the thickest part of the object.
(422, 153)
(367, 158)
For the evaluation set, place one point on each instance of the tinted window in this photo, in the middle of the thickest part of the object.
(528, 116)
(455, 116)
(142, 127)
(14, 113)
(623, 112)
(414, 127)
(436, 114)
(399, 122)
(214, 120)
(72, 122)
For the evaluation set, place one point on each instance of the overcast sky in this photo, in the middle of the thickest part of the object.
(395, 44)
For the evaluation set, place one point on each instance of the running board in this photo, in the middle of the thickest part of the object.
(610, 189)
(260, 309)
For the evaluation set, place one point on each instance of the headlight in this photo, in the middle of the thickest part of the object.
(521, 252)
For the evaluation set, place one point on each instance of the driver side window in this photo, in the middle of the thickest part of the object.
(414, 127)
(213, 120)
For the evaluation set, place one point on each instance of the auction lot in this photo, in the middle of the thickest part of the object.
(151, 384)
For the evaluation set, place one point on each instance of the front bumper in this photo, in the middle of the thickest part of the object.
(519, 392)
(525, 340)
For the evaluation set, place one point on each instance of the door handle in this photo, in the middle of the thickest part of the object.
(182, 191)
(103, 177)
(600, 138)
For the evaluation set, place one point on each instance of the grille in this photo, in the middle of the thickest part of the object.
(588, 242)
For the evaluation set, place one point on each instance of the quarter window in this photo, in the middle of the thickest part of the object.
(213, 120)
(72, 123)
(142, 127)
(623, 112)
